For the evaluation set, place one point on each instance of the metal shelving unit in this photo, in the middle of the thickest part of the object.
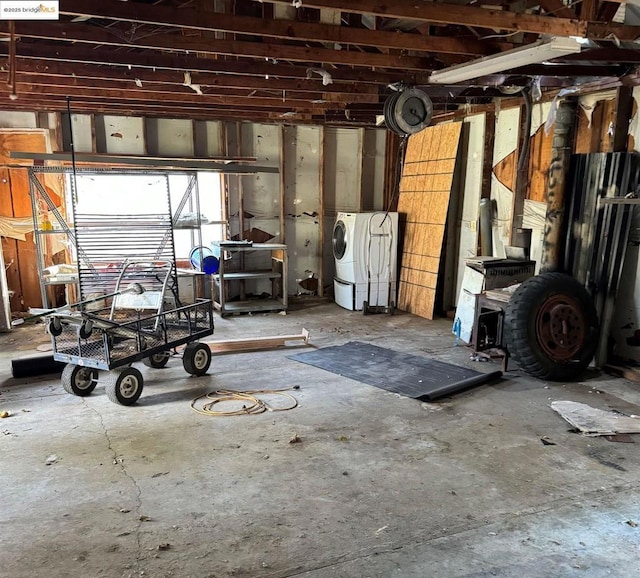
(277, 275)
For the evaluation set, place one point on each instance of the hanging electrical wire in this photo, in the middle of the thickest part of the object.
(13, 63)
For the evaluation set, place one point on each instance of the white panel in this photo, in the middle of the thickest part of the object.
(534, 218)
(471, 194)
(124, 135)
(506, 134)
(15, 119)
(175, 137)
(539, 114)
(501, 222)
(302, 202)
(506, 141)
(342, 170)
(82, 133)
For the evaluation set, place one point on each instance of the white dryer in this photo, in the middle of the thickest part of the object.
(365, 251)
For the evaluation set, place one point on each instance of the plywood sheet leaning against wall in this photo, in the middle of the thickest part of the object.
(423, 204)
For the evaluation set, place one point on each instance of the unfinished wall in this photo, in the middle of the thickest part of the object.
(326, 170)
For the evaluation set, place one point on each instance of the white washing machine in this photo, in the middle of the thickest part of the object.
(365, 251)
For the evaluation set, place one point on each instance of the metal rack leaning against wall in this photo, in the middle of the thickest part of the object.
(103, 239)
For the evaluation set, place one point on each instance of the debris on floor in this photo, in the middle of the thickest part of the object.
(596, 422)
(51, 459)
(4, 414)
(295, 439)
(632, 523)
(546, 441)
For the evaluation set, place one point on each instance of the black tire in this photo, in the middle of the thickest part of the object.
(196, 358)
(123, 385)
(54, 327)
(157, 360)
(551, 327)
(85, 330)
(78, 380)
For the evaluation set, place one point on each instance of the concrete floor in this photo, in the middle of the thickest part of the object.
(380, 485)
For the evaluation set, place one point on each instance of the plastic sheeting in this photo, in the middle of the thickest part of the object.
(16, 227)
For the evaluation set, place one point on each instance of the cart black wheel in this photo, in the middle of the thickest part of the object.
(54, 327)
(123, 385)
(85, 330)
(196, 358)
(157, 360)
(551, 327)
(78, 380)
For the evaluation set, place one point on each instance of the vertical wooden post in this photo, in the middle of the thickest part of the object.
(487, 159)
(224, 185)
(522, 168)
(321, 213)
(562, 147)
(282, 185)
(361, 157)
(623, 111)
(240, 208)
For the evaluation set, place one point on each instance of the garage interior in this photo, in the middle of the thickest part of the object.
(203, 178)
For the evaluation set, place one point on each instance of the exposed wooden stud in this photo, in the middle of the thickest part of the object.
(321, 216)
(623, 113)
(282, 194)
(32, 70)
(93, 35)
(44, 51)
(441, 13)
(522, 169)
(360, 156)
(324, 32)
(487, 157)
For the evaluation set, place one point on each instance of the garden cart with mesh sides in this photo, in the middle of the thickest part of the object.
(143, 323)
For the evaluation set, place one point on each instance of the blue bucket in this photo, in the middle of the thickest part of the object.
(202, 259)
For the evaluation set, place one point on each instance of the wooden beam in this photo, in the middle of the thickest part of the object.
(88, 34)
(129, 108)
(190, 19)
(171, 77)
(198, 113)
(442, 13)
(142, 95)
(44, 51)
(79, 86)
(589, 10)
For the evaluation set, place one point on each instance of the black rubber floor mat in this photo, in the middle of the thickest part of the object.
(410, 375)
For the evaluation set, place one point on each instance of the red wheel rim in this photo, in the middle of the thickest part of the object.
(560, 327)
